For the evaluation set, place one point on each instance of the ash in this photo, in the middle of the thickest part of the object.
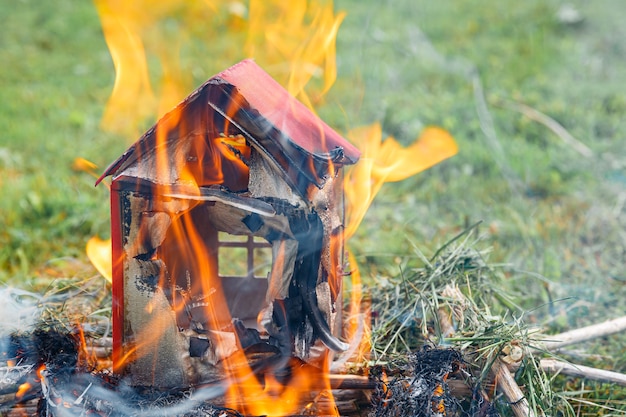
(59, 384)
(418, 387)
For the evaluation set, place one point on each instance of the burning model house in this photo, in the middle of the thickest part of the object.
(238, 170)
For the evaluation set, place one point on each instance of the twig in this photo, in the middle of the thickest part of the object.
(100, 352)
(505, 383)
(555, 342)
(555, 366)
(106, 342)
(28, 408)
(12, 376)
(550, 123)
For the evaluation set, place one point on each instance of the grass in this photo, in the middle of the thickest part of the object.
(547, 209)
(554, 217)
(456, 299)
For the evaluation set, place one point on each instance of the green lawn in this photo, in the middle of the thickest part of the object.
(555, 216)
(546, 208)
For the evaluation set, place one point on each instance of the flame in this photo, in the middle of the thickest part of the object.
(86, 359)
(274, 397)
(82, 164)
(387, 161)
(381, 161)
(247, 391)
(99, 253)
(128, 29)
(23, 389)
(358, 323)
(40, 370)
(295, 42)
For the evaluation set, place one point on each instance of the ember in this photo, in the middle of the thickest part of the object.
(420, 387)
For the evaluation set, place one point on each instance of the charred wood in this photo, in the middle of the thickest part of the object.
(311, 240)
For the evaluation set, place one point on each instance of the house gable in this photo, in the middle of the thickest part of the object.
(206, 137)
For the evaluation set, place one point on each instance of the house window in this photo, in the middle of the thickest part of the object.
(243, 256)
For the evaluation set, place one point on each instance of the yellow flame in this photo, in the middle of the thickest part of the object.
(99, 253)
(294, 41)
(132, 94)
(22, 390)
(82, 164)
(358, 322)
(387, 161)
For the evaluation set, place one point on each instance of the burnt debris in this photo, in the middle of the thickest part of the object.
(416, 385)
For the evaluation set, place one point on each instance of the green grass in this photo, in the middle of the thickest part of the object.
(557, 218)
(546, 208)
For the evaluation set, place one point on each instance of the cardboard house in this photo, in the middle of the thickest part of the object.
(227, 232)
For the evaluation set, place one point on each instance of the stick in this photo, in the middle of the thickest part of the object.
(28, 409)
(555, 366)
(333, 381)
(99, 352)
(505, 383)
(106, 342)
(351, 382)
(12, 376)
(555, 342)
(551, 124)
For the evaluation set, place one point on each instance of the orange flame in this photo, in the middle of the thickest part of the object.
(99, 253)
(294, 41)
(387, 161)
(358, 322)
(40, 370)
(23, 389)
(82, 164)
(273, 397)
(381, 161)
(129, 32)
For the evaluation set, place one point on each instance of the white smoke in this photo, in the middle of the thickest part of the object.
(19, 310)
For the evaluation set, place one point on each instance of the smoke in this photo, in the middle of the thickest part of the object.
(84, 393)
(19, 310)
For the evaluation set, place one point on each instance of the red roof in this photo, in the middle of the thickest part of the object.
(286, 113)
(271, 119)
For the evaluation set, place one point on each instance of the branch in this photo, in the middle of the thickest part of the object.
(551, 124)
(555, 342)
(505, 383)
(555, 366)
(12, 376)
